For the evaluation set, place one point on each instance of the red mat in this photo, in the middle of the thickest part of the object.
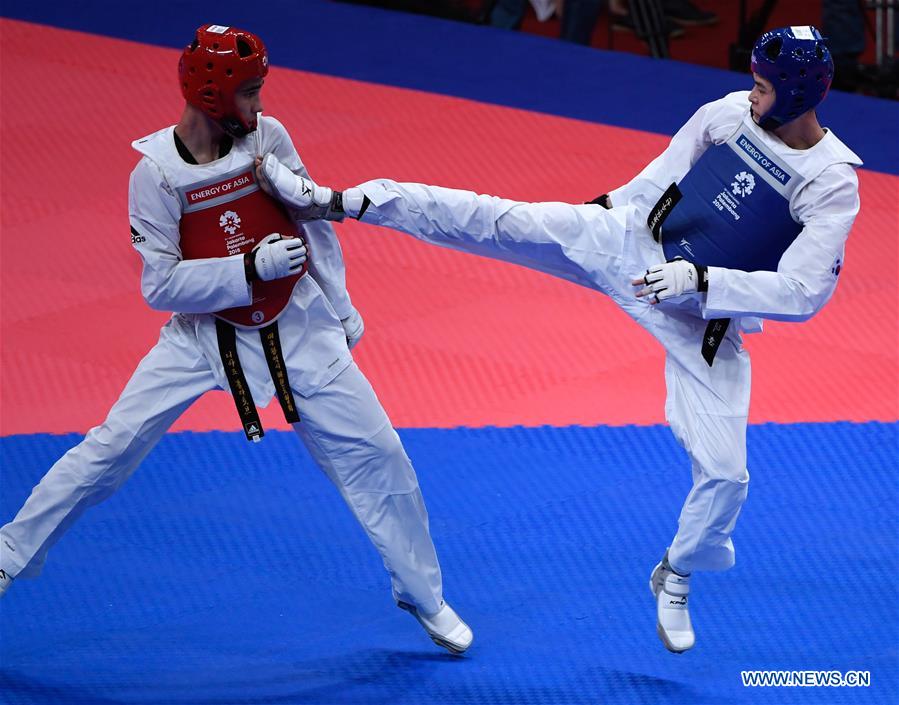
(452, 340)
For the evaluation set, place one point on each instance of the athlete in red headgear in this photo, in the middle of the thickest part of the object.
(214, 67)
(261, 309)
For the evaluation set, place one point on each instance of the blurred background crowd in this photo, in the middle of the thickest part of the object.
(861, 33)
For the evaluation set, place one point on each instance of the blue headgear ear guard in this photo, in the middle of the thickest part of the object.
(798, 64)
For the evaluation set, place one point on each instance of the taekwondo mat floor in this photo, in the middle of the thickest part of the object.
(228, 573)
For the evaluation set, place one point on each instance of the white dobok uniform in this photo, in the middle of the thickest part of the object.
(707, 406)
(342, 424)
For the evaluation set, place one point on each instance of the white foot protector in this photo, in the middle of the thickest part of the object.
(5, 581)
(445, 628)
(671, 592)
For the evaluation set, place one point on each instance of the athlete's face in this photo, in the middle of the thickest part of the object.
(761, 97)
(248, 99)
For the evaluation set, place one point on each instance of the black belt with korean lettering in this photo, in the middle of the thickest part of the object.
(240, 390)
(717, 327)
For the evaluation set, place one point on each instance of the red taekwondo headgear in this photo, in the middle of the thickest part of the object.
(213, 66)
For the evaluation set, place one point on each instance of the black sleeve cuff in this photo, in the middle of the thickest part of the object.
(366, 202)
(703, 273)
(603, 201)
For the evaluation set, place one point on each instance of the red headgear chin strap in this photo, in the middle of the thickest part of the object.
(213, 66)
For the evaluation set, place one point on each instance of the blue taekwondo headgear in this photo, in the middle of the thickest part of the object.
(798, 64)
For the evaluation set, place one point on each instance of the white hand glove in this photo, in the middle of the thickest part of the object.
(312, 202)
(354, 328)
(277, 256)
(674, 278)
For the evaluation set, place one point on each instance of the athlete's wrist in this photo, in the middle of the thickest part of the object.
(249, 267)
(351, 202)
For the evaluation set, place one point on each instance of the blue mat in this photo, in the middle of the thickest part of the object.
(224, 572)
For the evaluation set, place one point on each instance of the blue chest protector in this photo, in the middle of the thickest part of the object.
(734, 211)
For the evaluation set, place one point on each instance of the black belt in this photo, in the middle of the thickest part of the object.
(661, 210)
(240, 390)
(711, 341)
(717, 327)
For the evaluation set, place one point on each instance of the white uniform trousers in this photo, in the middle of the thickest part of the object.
(707, 407)
(343, 425)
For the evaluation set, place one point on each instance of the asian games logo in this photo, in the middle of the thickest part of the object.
(743, 184)
(229, 221)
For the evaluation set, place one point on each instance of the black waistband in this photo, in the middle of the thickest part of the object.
(240, 390)
(711, 341)
(717, 327)
(661, 210)
(271, 344)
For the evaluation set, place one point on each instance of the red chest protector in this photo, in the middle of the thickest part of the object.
(230, 215)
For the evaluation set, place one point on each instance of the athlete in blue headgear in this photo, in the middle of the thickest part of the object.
(744, 216)
(793, 65)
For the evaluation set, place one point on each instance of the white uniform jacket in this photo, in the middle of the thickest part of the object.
(312, 338)
(825, 205)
